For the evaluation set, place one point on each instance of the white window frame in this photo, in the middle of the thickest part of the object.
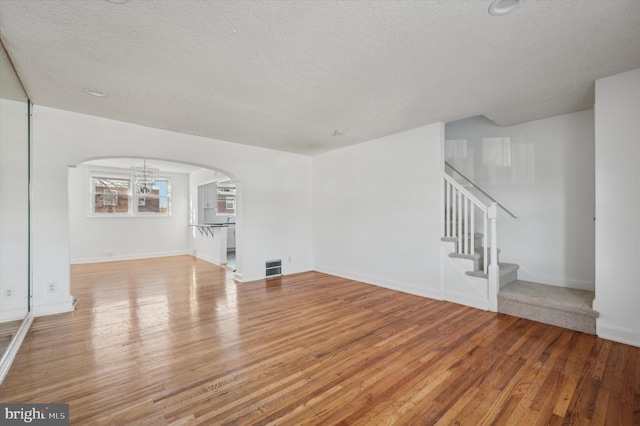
(496, 152)
(110, 195)
(93, 194)
(229, 203)
(140, 200)
(135, 200)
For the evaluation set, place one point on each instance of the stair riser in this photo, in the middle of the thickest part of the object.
(508, 278)
(572, 321)
(478, 235)
(478, 264)
(477, 244)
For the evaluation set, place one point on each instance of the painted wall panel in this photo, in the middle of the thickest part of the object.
(618, 207)
(377, 214)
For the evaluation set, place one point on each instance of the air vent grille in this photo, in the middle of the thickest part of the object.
(273, 268)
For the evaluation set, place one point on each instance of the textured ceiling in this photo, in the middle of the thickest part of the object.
(10, 87)
(288, 74)
(128, 163)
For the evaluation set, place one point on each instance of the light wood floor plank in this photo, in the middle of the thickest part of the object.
(175, 341)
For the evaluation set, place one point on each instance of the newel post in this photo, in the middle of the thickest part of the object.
(494, 269)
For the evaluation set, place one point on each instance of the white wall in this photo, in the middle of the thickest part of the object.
(96, 239)
(550, 184)
(274, 193)
(618, 207)
(14, 213)
(377, 214)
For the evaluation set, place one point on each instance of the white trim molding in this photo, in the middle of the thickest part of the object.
(12, 350)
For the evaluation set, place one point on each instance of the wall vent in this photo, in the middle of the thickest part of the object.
(273, 268)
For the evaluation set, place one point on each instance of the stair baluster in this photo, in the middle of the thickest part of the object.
(460, 218)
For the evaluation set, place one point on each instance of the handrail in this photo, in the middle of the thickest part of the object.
(459, 223)
(479, 188)
(459, 219)
(469, 195)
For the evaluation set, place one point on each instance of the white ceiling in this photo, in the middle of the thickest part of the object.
(10, 87)
(287, 74)
(128, 163)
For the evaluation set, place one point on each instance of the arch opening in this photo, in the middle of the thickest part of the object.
(140, 231)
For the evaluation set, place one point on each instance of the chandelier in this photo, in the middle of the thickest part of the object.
(144, 177)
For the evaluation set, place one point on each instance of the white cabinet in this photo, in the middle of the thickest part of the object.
(207, 199)
(201, 204)
(210, 196)
(231, 237)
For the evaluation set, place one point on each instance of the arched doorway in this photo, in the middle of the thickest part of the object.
(112, 218)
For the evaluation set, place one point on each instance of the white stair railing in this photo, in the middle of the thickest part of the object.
(461, 211)
(448, 166)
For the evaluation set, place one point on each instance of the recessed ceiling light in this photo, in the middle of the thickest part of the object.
(502, 7)
(95, 92)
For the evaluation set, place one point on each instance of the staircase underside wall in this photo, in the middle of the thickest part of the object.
(458, 287)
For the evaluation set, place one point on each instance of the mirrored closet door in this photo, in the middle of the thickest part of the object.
(14, 209)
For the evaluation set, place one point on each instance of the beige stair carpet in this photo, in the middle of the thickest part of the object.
(560, 306)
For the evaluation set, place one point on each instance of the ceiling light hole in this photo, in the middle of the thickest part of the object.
(95, 92)
(502, 7)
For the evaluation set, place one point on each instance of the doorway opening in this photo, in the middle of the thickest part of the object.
(136, 208)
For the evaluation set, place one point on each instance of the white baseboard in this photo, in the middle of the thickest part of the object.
(13, 314)
(464, 299)
(53, 308)
(431, 293)
(209, 259)
(244, 278)
(525, 275)
(617, 334)
(247, 278)
(12, 350)
(128, 257)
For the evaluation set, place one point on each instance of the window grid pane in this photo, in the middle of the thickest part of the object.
(110, 195)
(113, 196)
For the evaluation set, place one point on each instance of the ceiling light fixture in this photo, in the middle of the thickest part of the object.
(502, 7)
(144, 177)
(95, 92)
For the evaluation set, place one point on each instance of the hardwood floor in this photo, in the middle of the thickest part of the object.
(7, 331)
(177, 341)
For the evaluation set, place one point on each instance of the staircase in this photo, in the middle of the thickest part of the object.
(564, 307)
(474, 276)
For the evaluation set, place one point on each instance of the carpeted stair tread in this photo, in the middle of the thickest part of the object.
(478, 254)
(567, 299)
(476, 235)
(559, 306)
(475, 256)
(505, 268)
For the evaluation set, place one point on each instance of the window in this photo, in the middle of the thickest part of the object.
(155, 201)
(496, 152)
(110, 195)
(226, 199)
(113, 195)
(455, 149)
